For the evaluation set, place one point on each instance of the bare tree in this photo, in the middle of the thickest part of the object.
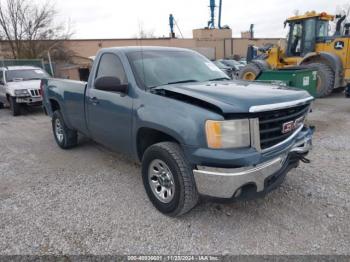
(30, 29)
(344, 10)
(143, 33)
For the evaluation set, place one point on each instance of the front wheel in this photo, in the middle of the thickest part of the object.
(250, 72)
(65, 138)
(325, 79)
(168, 179)
(15, 107)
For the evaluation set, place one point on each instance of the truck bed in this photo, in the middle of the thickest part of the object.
(71, 95)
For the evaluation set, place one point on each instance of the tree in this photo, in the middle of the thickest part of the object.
(143, 33)
(30, 29)
(344, 10)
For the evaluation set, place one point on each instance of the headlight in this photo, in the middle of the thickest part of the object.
(228, 134)
(21, 92)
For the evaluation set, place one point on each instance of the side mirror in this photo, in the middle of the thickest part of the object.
(110, 84)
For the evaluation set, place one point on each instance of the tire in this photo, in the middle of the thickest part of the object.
(347, 92)
(250, 72)
(168, 157)
(14, 107)
(325, 79)
(262, 65)
(339, 90)
(65, 138)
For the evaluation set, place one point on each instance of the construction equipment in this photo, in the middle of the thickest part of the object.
(212, 6)
(309, 44)
(171, 24)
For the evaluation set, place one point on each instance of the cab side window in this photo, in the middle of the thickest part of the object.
(110, 65)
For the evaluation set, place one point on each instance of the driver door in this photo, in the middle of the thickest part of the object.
(110, 113)
(309, 36)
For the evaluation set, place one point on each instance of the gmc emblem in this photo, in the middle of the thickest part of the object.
(292, 125)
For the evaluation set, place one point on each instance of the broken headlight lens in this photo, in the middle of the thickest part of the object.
(228, 134)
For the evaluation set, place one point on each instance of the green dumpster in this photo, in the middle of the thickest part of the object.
(303, 78)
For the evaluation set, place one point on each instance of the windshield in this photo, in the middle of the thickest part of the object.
(25, 75)
(322, 28)
(157, 68)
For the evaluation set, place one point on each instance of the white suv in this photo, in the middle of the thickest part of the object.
(21, 85)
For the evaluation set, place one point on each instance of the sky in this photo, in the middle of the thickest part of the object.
(123, 18)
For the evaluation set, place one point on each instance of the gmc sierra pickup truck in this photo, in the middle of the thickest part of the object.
(196, 132)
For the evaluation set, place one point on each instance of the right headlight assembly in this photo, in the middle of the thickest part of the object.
(228, 134)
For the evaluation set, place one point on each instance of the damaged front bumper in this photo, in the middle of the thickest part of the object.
(253, 181)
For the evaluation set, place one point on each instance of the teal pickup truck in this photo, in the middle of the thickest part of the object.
(196, 132)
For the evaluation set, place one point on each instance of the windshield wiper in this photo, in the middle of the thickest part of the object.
(183, 81)
(219, 79)
(172, 83)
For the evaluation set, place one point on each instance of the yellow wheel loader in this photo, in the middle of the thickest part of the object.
(309, 44)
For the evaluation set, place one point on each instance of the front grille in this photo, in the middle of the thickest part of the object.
(35, 92)
(271, 124)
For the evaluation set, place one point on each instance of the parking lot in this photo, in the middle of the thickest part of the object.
(91, 201)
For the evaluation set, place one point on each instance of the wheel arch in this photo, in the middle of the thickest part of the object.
(148, 136)
(55, 104)
(331, 60)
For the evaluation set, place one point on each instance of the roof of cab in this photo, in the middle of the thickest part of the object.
(144, 48)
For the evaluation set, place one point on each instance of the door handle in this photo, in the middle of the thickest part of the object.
(94, 100)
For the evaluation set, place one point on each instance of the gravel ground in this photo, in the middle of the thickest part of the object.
(91, 201)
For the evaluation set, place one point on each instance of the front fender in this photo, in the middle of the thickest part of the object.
(10, 91)
(182, 121)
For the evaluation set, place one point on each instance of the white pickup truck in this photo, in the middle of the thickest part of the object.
(20, 85)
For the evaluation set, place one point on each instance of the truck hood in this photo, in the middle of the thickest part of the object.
(31, 84)
(236, 96)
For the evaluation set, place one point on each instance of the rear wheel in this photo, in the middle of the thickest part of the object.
(65, 138)
(14, 106)
(250, 72)
(325, 79)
